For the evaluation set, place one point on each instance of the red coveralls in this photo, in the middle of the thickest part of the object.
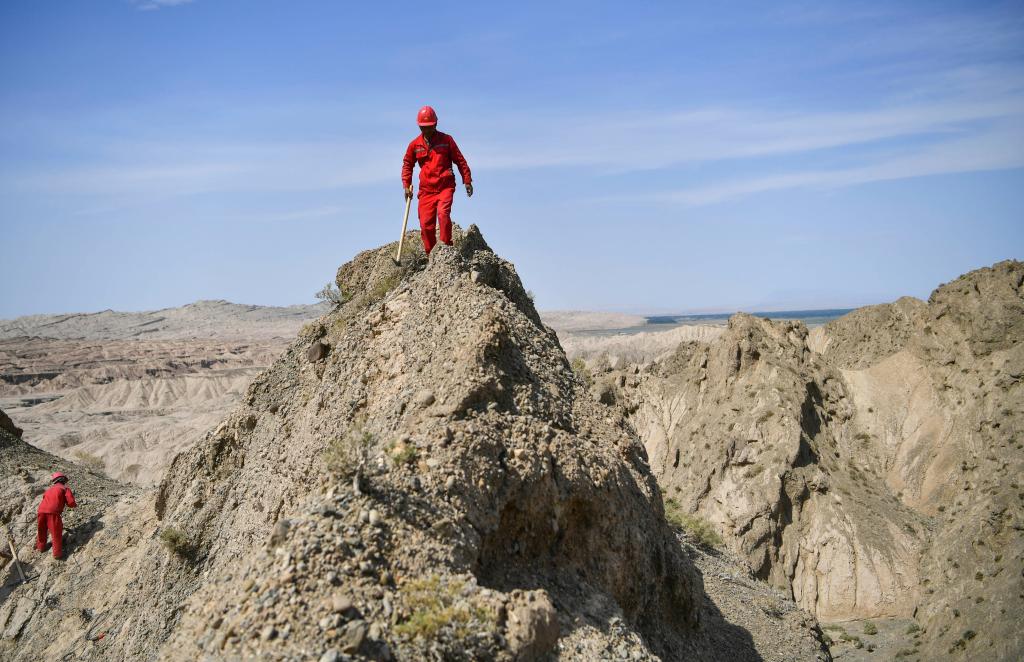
(437, 183)
(48, 517)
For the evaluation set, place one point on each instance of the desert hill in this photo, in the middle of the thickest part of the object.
(124, 392)
(202, 319)
(420, 474)
(869, 467)
(126, 406)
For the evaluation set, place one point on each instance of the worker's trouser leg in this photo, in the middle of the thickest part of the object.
(52, 524)
(435, 209)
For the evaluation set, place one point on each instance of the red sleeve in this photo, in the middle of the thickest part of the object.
(69, 497)
(460, 161)
(407, 164)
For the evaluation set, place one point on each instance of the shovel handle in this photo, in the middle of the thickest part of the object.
(405, 223)
(14, 553)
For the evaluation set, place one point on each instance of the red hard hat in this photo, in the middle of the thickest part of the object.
(56, 475)
(426, 117)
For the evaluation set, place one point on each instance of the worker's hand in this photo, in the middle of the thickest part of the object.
(408, 192)
(469, 190)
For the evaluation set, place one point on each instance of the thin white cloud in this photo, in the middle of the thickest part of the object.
(659, 139)
(603, 144)
(998, 150)
(152, 5)
(929, 127)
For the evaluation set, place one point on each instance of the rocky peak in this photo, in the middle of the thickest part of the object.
(7, 425)
(983, 309)
(438, 435)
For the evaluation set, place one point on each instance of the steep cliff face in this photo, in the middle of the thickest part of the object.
(946, 410)
(756, 433)
(870, 466)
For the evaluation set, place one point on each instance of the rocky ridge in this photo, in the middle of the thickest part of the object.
(420, 475)
(869, 467)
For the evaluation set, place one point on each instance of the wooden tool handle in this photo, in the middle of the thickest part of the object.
(405, 222)
(14, 553)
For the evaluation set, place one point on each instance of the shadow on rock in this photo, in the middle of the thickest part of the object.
(12, 580)
(80, 533)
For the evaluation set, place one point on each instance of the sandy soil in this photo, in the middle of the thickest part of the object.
(635, 347)
(125, 392)
(582, 320)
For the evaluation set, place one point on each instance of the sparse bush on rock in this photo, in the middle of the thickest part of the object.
(176, 542)
(346, 454)
(437, 604)
(697, 527)
(579, 366)
(332, 294)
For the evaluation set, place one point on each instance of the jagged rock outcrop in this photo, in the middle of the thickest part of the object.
(868, 334)
(755, 433)
(8, 426)
(485, 470)
(871, 466)
(947, 411)
(419, 476)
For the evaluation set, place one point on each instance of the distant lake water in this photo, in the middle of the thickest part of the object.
(657, 323)
(809, 317)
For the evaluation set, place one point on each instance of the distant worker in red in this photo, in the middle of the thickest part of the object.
(48, 516)
(435, 152)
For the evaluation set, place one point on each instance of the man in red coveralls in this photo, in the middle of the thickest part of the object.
(48, 515)
(435, 152)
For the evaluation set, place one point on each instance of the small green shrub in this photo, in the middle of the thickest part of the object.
(912, 628)
(331, 294)
(381, 288)
(407, 455)
(176, 542)
(870, 628)
(312, 329)
(696, 526)
(579, 366)
(852, 638)
(402, 453)
(346, 454)
(435, 604)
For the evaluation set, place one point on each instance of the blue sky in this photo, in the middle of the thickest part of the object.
(648, 157)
